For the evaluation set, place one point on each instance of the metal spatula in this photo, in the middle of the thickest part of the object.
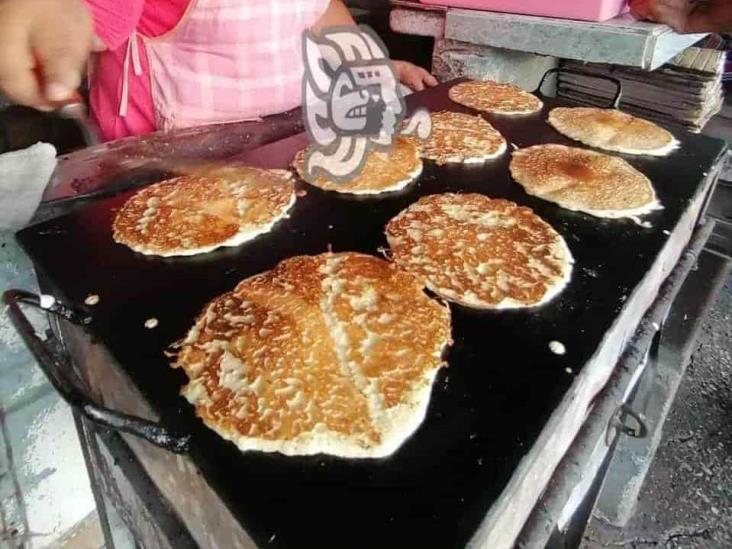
(75, 109)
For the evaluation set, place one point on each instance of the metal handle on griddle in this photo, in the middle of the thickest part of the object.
(617, 424)
(618, 84)
(56, 370)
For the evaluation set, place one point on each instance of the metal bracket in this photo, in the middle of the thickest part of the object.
(617, 424)
(618, 84)
(55, 367)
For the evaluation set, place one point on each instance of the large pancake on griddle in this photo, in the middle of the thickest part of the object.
(334, 353)
(612, 130)
(583, 180)
(194, 214)
(458, 137)
(480, 252)
(494, 97)
(383, 171)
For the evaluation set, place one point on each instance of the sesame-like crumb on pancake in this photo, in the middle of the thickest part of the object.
(382, 172)
(480, 252)
(494, 97)
(334, 353)
(458, 137)
(195, 214)
(583, 180)
(612, 130)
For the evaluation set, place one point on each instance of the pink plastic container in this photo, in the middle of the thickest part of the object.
(585, 10)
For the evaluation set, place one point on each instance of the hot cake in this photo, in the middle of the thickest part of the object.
(494, 97)
(458, 137)
(480, 252)
(382, 172)
(194, 214)
(582, 180)
(334, 353)
(612, 130)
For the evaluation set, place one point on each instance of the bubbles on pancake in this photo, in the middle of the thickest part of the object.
(461, 138)
(582, 180)
(480, 252)
(383, 172)
(495, 97)
(612, 130)
(334, 353)
(195, 214)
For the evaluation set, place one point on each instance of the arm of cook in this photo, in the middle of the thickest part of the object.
(412, 76)
(686, 16)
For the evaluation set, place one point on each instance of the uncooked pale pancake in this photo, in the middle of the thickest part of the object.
(489, 96)
(382, 172)
(582, 180)
(334, 354)
(480, 252)
(458, 137)
(194, 214)
(612, 130)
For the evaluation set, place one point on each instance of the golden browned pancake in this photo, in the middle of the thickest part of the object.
(195, 214)
(612, 130)
(382, 172)
(334, 354)
(458, 137)
(495, 97)
(582, 180)
(480, 252)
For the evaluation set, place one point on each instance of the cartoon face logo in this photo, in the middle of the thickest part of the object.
(351, 101)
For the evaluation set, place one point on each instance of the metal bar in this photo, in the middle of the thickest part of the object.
(95, 487)
(539, 527)
(148, 502)
(87, 447)
(632, 459)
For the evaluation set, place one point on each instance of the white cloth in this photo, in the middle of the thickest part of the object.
(23, 178)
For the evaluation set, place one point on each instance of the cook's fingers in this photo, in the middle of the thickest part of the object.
(413, 80)
(639, 9)
(61, 61)
(22, 87)
(17, 78)
(428, 78)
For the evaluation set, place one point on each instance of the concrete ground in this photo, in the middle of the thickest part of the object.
(44, 491)
(686, 501)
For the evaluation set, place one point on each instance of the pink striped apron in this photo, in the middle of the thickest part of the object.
(225, 61)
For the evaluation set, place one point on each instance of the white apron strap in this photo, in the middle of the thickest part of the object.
(133, 53)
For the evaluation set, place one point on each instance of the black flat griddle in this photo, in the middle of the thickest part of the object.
(487, 407)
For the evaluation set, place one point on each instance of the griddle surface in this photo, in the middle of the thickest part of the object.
(487, 407)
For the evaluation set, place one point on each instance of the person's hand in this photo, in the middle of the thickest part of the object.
(412, 76)
(44, 45)
(686, 16)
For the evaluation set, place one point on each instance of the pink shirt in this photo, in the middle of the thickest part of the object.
(200, 62)
(114, 22)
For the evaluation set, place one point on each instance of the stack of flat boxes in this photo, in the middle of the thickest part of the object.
(685, 92)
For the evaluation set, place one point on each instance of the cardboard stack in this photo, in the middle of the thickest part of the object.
(687, 91)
